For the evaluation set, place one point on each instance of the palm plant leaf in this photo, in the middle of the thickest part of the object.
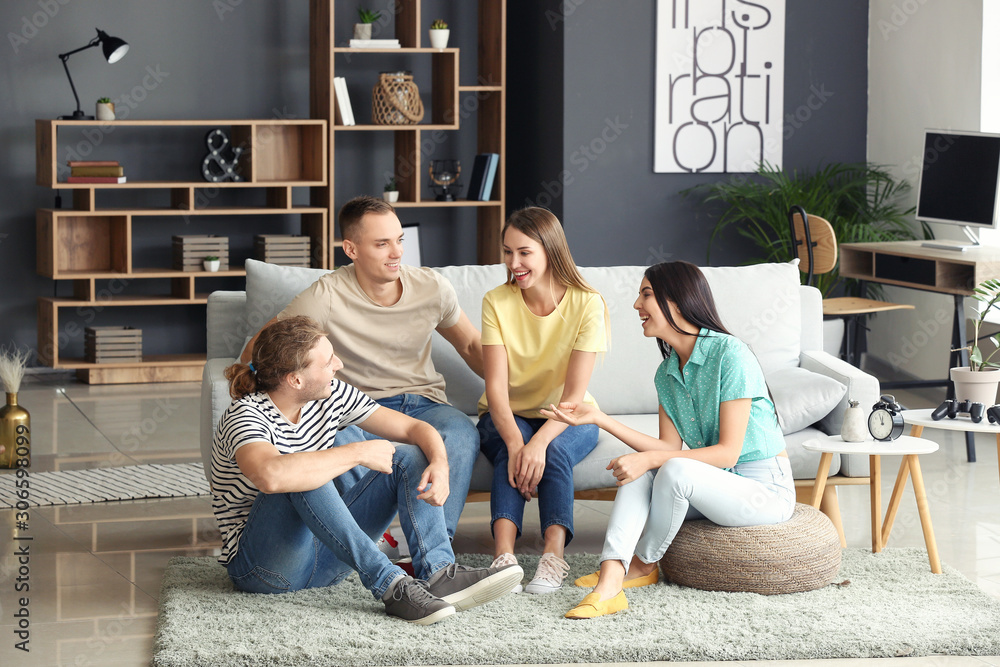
(860, 200)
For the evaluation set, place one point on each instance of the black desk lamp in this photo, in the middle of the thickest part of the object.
(114, 48)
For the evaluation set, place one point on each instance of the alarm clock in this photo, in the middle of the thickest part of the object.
(885, 422)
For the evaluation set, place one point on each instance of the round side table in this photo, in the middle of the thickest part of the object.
(910, 448)
(919, 419)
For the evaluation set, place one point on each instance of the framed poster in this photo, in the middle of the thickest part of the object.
(719, 85)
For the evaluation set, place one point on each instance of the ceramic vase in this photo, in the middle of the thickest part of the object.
(362, 31)
(211, 264)
(105, 111)
(391, 196)
(15, 434)
(976, 386)
(855, 426)
(439, 38)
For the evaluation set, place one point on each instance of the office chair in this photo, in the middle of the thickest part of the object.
(815, 244)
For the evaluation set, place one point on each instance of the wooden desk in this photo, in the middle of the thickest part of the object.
(909, 264)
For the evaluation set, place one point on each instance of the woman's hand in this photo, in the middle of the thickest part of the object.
(574, 414)
(513, 461)
(531, 465)
(630, 467)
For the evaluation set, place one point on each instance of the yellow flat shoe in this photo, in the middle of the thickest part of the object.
(590, 580)
(592, 606)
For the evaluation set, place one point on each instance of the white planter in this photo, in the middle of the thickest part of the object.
(105, 111)
(211, 265)
(439, 38)
(362, 31)
(976, 386)
(392, 196)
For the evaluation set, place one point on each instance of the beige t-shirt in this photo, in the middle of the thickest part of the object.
(386, 350)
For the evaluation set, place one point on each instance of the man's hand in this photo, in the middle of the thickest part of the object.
(375, 454)
(435, 474)
(630, 467)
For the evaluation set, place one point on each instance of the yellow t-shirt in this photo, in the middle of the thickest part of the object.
(538, 348)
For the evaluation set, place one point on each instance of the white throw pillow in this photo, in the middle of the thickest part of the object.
(270, 288)
(802, 397)
(761, 305)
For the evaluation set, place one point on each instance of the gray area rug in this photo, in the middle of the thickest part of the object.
(97, 485)
(893, 606)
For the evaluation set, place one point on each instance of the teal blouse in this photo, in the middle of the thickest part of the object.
(721, 368)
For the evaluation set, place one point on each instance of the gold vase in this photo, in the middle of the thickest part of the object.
(15, 434)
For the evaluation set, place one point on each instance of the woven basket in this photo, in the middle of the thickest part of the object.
(801, 554)
(396, 100)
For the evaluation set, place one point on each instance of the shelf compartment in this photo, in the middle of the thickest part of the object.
(82, 241)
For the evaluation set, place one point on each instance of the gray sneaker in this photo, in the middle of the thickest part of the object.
(409, 600)
(466, 587)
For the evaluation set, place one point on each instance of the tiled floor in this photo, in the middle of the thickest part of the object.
(95, 570)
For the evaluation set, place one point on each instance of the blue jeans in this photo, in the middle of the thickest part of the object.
(649, 511)
(316, 538)
(555, 490)
(460, 440)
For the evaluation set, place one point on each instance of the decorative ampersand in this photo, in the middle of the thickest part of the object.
(216, 167)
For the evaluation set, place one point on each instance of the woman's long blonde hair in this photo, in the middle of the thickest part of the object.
(543, 226)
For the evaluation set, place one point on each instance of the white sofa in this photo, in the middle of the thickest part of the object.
(764, 304)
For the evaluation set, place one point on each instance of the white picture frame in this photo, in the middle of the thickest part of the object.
(411, 245)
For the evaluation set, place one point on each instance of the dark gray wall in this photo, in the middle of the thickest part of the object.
(573, 67)
(617, 210)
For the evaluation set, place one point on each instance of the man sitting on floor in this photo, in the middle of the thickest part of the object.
(284, 524)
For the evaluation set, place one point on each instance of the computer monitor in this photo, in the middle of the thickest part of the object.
(959, 182)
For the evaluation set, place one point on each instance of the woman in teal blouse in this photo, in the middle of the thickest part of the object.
(713, 398)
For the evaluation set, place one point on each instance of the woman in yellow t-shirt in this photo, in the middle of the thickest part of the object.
(542, 330)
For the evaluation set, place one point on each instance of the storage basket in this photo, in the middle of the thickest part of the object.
(396, 100)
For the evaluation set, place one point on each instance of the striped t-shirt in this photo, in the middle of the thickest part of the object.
(254, 418)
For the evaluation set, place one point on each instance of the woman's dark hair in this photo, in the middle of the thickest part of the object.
(685, 285)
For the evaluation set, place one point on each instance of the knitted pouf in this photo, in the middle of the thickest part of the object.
(801, 554)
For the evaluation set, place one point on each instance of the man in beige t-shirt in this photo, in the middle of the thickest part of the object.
(381, 315)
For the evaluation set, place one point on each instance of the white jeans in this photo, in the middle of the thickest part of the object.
(649, 511)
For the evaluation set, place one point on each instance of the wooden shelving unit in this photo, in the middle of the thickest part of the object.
(411, 30)
(87, 242)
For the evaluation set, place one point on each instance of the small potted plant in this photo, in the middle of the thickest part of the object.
(105, 109)
(390, 192)
(439, 34)
(211, 263)
(363, 30)
(979, 380)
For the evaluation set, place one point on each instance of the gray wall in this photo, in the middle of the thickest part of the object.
(573, 67)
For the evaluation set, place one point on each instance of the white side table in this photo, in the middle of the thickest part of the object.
(918, 419)
(910, 448)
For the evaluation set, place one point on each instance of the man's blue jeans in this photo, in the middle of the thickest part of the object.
(555, 490)
(316, 538)
(460, 440)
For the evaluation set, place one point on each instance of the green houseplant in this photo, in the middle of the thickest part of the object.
(860, 200)
(973, 382)
(363, 29)
(390, 192)
(439, 34)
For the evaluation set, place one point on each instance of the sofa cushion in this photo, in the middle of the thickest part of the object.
(759, 304)
(802, 397)
(271, 287)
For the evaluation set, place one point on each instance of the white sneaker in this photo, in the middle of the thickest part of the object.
(507, 559)
(549, 576)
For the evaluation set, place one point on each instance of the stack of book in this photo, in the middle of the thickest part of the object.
(344, 112)
(95, 171)
(484, 171)
(374, 44)
(282, 249)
